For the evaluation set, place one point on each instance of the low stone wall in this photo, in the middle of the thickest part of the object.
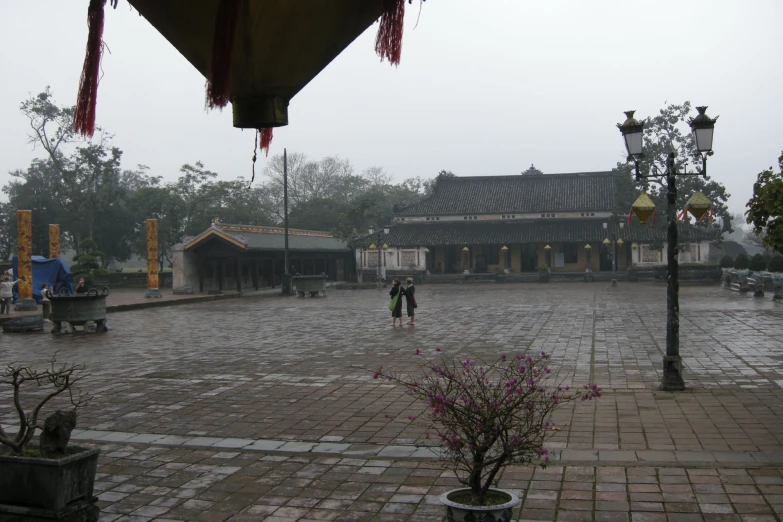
(134, 280)
(704, 273)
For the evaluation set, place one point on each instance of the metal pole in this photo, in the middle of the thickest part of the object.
(378, 283)
(287, 284)
(672, 362)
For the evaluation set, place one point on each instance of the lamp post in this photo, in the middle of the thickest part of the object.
(702, 127)
(381, 233)
(614, 242)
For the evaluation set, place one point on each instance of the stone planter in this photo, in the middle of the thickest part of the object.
(49, 489)
(83, 310)
(456, 512)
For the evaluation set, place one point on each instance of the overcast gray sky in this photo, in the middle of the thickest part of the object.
(484, 88)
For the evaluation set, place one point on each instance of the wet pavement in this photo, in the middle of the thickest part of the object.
(262, 409)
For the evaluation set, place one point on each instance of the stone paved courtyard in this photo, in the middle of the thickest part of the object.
(262, 409)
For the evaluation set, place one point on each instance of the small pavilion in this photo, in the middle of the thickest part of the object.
(241, 257)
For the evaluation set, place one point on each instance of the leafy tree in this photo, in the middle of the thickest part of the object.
(757, 263)
(726, 261)
(776, 263)
(532, 170)
(317, 214)
(79, 185)
(161, 203)
(765, 208)
(741, 262)
(7, 234)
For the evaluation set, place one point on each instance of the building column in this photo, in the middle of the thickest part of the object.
(152, 259)
(254, 272)
(24, 266)
(238, 273)
(220, 274)
(200, 273)
(54, 241)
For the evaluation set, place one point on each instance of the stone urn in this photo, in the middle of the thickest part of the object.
(85, 310)
(457, 512)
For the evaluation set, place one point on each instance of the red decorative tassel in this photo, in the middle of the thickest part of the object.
(265, 140)
(219, 79)
(630, 214)
(84, 117)
(388, 42)
(655, 213)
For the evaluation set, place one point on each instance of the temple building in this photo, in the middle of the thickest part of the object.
(242, 257)
(518, 224)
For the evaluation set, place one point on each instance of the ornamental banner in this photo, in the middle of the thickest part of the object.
(152, 254)
(24, 247)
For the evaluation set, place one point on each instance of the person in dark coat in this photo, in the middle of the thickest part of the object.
(395, 305)
(410, 300)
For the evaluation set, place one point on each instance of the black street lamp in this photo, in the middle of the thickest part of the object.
(613, 242)
(703, 128)
(379, 248)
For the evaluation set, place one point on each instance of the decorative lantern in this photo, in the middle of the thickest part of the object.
(504, 248)
(643, 207)
(386, 246)
(606, 242)
(698, 205)
(372, 246)
(619, 242)
(465, 249)
(703, 128)
(547, 248)
(632, 131)
(634, 246)
(426, 250)
(588, 247)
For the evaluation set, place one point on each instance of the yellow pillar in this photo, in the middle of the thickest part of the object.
(54, 241)
(152, 254)
(24, 247)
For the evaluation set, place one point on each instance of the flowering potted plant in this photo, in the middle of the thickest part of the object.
(487, 416)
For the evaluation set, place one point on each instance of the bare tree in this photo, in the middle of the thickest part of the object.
(61, 378)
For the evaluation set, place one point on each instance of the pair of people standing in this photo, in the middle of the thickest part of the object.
(396, 293)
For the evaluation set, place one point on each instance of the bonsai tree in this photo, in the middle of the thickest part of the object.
(57, 380)
(487, 416)
(89, 262)
(726, 261)
(741, 262)
(776, 264)
(757, 263)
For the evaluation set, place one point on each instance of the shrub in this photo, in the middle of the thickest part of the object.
(758, 263)
(741, 262)
(726, 261)
(776, 264)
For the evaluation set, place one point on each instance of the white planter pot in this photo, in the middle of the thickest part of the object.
(456, 512)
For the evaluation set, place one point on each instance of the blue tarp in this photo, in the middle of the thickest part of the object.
(53, 272)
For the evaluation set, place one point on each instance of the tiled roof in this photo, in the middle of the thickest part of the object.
(539, 231)
(518, 194)
(249, 240)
